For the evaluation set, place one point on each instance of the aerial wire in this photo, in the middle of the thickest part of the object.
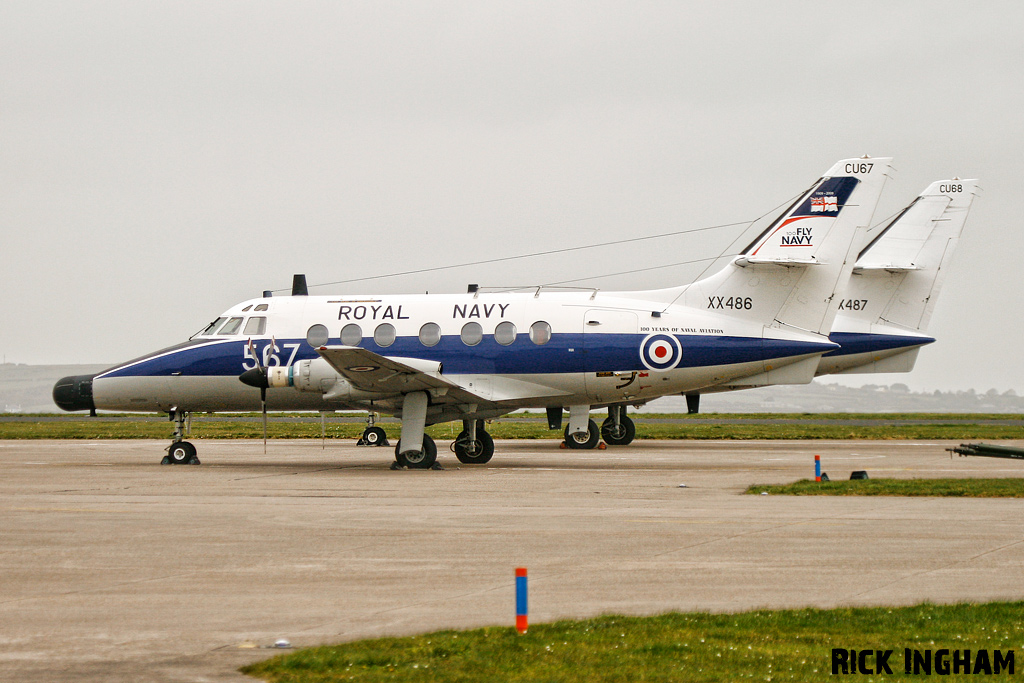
(710, 259)
(525, 256)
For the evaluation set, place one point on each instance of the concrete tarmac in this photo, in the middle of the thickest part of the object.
(113, 567)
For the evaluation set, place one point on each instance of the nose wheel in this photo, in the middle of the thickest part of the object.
(373, 435)
(180, 452)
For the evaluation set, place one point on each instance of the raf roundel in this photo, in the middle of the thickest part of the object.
(660, 351)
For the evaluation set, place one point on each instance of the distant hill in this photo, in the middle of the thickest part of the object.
(823, 397)
(27, 389)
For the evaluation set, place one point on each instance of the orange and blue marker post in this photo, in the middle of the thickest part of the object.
(521, 605)
(817, 468)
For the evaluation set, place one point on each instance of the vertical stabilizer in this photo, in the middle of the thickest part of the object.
(897, 277)
(789, 276)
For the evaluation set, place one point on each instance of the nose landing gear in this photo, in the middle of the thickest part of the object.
(373, 435)
(180, 452)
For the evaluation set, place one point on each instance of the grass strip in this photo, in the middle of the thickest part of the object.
(778, 645)
(947, 488)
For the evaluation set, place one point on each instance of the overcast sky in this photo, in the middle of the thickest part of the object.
(161, 161)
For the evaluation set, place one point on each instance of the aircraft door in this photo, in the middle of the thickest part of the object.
(611, 354)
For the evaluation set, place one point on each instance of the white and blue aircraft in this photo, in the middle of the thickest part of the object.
(765, 318)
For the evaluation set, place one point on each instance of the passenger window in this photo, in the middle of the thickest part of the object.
(261, 307)
(351, 335)
(430, 334)
(213, 326)
(472, 334)
(231, 326)
(505, 333)
(540, 333)
(256, 326)
(384, 335)
(317, 336)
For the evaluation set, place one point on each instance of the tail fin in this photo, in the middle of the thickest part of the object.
(897, 277)
(790, 274)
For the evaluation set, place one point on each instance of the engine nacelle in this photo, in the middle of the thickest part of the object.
(316, 376)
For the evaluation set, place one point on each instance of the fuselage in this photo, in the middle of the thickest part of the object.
(513, 349)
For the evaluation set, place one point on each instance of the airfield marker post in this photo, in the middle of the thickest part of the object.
(521, 605)
(817, 468)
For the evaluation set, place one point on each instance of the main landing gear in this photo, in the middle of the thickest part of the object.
(180, 452)
(422, 459)
(583, 440)
(616, 430)
(473, 446)
(415, 449)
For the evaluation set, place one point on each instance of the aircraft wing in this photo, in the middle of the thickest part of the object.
(372, 372)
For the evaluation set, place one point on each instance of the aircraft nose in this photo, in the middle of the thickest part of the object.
(74, 393)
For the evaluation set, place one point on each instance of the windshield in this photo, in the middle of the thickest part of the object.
(209, 328)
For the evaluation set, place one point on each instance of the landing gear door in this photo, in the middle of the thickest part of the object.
(611, 354)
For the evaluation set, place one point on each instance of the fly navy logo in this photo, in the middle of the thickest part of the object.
(660, 351)
(799, 237)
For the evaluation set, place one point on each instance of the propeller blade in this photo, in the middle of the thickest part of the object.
(255, 356)
(263, 400)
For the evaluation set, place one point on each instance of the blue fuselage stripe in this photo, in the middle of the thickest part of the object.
(861, 342)
(565, 353)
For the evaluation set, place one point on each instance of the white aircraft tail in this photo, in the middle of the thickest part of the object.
(790, 275)
(897, 277)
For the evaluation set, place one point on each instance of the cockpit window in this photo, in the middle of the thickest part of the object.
(261, 307)
(213, 326)
(256, 326)
(246, 308)
(231, 326)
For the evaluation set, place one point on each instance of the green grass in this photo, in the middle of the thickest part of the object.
(783, 645)
(956, 488)
(797, 426)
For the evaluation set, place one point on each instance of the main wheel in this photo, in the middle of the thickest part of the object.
(475, 452)
(422, 459)
(375, 436)
(181, 452)
(583, 440)
(618, 435)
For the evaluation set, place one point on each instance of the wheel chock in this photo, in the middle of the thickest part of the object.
(859, 474)
(602, 446)
(562, 445)
(166, 460)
